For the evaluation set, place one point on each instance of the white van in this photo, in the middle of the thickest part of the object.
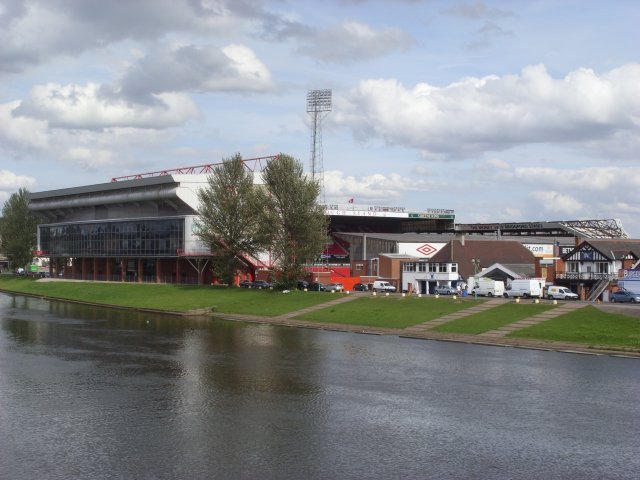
(560, 293)
(488, 287)
(524, 287)
(382, 286)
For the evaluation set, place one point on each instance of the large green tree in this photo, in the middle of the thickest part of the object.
(298, 224)
(18, 229)
(230, 219)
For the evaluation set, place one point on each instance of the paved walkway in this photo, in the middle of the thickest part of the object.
(431, 324)
(320, 306)
(533, 320)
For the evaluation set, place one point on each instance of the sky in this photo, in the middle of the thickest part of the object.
(504, 111)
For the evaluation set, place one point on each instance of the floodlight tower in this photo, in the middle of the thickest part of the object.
(318, 104)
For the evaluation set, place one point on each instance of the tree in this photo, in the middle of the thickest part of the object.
(298, 224)
(230, 219)
(18, 229)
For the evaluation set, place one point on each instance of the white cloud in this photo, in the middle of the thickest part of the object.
(85, 107)
(496, 163)
(545, 193)
(41, 31)
(477, 10)
(89, 158)
(376, 187)
(110, 150)
(250, 73)
(234, 68)
(492, 113)
(23, 137)
(558, 203)
(12, 181)
(593, 179)
(21, 133)
(353, 41)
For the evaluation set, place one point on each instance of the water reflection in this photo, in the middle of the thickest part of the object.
(97, 393)
(222, 355)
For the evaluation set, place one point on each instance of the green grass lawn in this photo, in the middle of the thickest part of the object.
(177, 298)
(388, 312)
(493, 318)
(588, 326)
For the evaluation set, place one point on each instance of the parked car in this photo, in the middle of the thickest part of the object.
(245, 283)
(261, 284)
(523, 287)
(360, 287)
(302, 284)
(445, 290)
(382, 286)
(316, 287)
(560, 293)
(488, 287)
(623, 296)
(334, 287)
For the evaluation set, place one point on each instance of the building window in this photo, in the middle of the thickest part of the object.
(433, 267)
(572, 267)
(358, 266)
(422, 267)
(602, 267)
(153, 238)
(454, 267)
(442, 267)
(409, 267)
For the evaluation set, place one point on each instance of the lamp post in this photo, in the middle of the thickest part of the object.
(476, 265)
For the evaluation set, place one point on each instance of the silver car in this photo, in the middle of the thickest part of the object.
(334, 287)
(445, 290)
(624, 296)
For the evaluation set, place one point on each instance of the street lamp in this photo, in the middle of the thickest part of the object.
(476, 265)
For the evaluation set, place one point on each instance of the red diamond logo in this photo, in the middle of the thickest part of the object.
(426, 250)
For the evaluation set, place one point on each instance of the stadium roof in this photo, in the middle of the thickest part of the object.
(606, 228)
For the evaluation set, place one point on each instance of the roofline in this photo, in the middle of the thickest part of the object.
(597, 228)
(104, 187)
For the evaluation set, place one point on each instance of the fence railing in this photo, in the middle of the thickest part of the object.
(586, 276)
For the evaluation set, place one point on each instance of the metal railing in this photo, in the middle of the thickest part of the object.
(593, 276)
(597, 289)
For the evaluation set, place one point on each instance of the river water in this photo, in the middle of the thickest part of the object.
(95, 393)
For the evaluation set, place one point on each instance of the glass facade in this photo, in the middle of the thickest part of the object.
(133, 238)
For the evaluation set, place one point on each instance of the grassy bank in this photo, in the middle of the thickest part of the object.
(175, 298)
(586, 326)
(388, 312)
(589, 326)
(493, 318)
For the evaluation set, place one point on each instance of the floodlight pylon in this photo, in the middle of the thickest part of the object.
(318, 105)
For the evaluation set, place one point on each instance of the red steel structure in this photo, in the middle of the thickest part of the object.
(252, 164)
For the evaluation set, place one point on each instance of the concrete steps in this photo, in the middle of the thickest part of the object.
(341, 299)
(533, 320)
(423, 327)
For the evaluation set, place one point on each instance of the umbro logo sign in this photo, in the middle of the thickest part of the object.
(426, 250)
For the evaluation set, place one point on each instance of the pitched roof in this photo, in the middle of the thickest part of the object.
(613, 249)
(505, 252)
